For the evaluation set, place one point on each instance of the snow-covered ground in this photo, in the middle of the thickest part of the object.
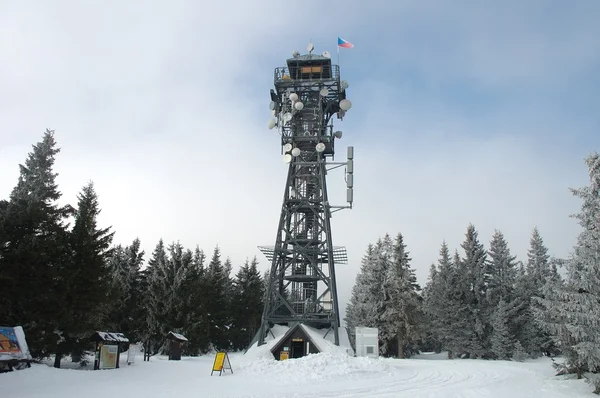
(329, 374)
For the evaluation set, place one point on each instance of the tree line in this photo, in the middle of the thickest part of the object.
(62, 278)
(484, 303)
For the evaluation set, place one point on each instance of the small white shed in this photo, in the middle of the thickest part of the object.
(367, 342)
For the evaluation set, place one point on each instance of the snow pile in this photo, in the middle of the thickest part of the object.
(322, 366)
(326, 375)
(264, 351)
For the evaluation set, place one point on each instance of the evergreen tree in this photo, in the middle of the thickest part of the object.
(538, 267)
(356, 314)
(478, 276)
(538, 273)
(85, 281)
(179, 266)
(401, 316)
(128, 285)
(156, 300)
(438, 302)
(134, 288)
(247, 304)
(217, 288)
(194, 310)
(458, 318)
(367, 301)
(519, 353)
(572, 310)
(503, 271)
(356, 308)
(502, 342)
(34, 250)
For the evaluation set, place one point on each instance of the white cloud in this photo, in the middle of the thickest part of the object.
(164, 106)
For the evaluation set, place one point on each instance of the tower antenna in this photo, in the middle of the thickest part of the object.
(301, 286)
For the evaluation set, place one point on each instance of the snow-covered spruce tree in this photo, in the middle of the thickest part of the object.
(360, 309)
(458, 322)
(502, 267)
(538, 265)
(367, 303)
(194, 312)
(477, 279)
(356, 309)
(519, 353)
(374, 279)
(575, 307)
(180, 263)
(247, 304)
(86, 278)
(402, 315)
(34, 249)
(437, 299)
(502, 341)
(431, 337)
(519, 309)
(217, 287)
(538, 272)
(156, 300)
(126, 306)
(134, 290)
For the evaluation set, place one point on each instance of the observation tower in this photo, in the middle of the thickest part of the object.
(301, 287)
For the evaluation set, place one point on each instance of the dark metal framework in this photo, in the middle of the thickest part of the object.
(302, 283)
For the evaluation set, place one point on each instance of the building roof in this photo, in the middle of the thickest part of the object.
(305, 331)
(109, 336)
(176, 336)
(309, 57)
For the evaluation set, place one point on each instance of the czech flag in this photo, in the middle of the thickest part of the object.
(344, 43)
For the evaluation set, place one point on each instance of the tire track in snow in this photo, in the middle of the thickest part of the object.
(423, 383)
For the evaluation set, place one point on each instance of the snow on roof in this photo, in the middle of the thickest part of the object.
(316, 335)
(112, 336)
(177, 336)
(326, 344)
(264, 351)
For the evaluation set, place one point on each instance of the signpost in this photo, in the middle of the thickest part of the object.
(131, 353)
(14, 351)
(221, 363)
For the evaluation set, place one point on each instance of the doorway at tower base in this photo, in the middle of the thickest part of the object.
(297, 341)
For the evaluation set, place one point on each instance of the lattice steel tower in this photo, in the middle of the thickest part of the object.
(302, 285)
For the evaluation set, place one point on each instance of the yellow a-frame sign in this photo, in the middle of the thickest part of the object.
(221, 363)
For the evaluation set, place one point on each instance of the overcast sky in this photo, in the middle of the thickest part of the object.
(463, 112)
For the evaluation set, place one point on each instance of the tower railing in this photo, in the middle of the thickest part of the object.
(283, 75)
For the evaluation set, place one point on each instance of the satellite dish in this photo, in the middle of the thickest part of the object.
(287, 158)
(337, 134)
(272, 124)
(310, 47)
(296, 152)
(324, 92)
(287, 117)
(287, 147)
(293, 97)
(295, 54)
(272, 105)
(326, 54)
(345, 104)
(299, 106)
(344, 84)
(320, 147)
